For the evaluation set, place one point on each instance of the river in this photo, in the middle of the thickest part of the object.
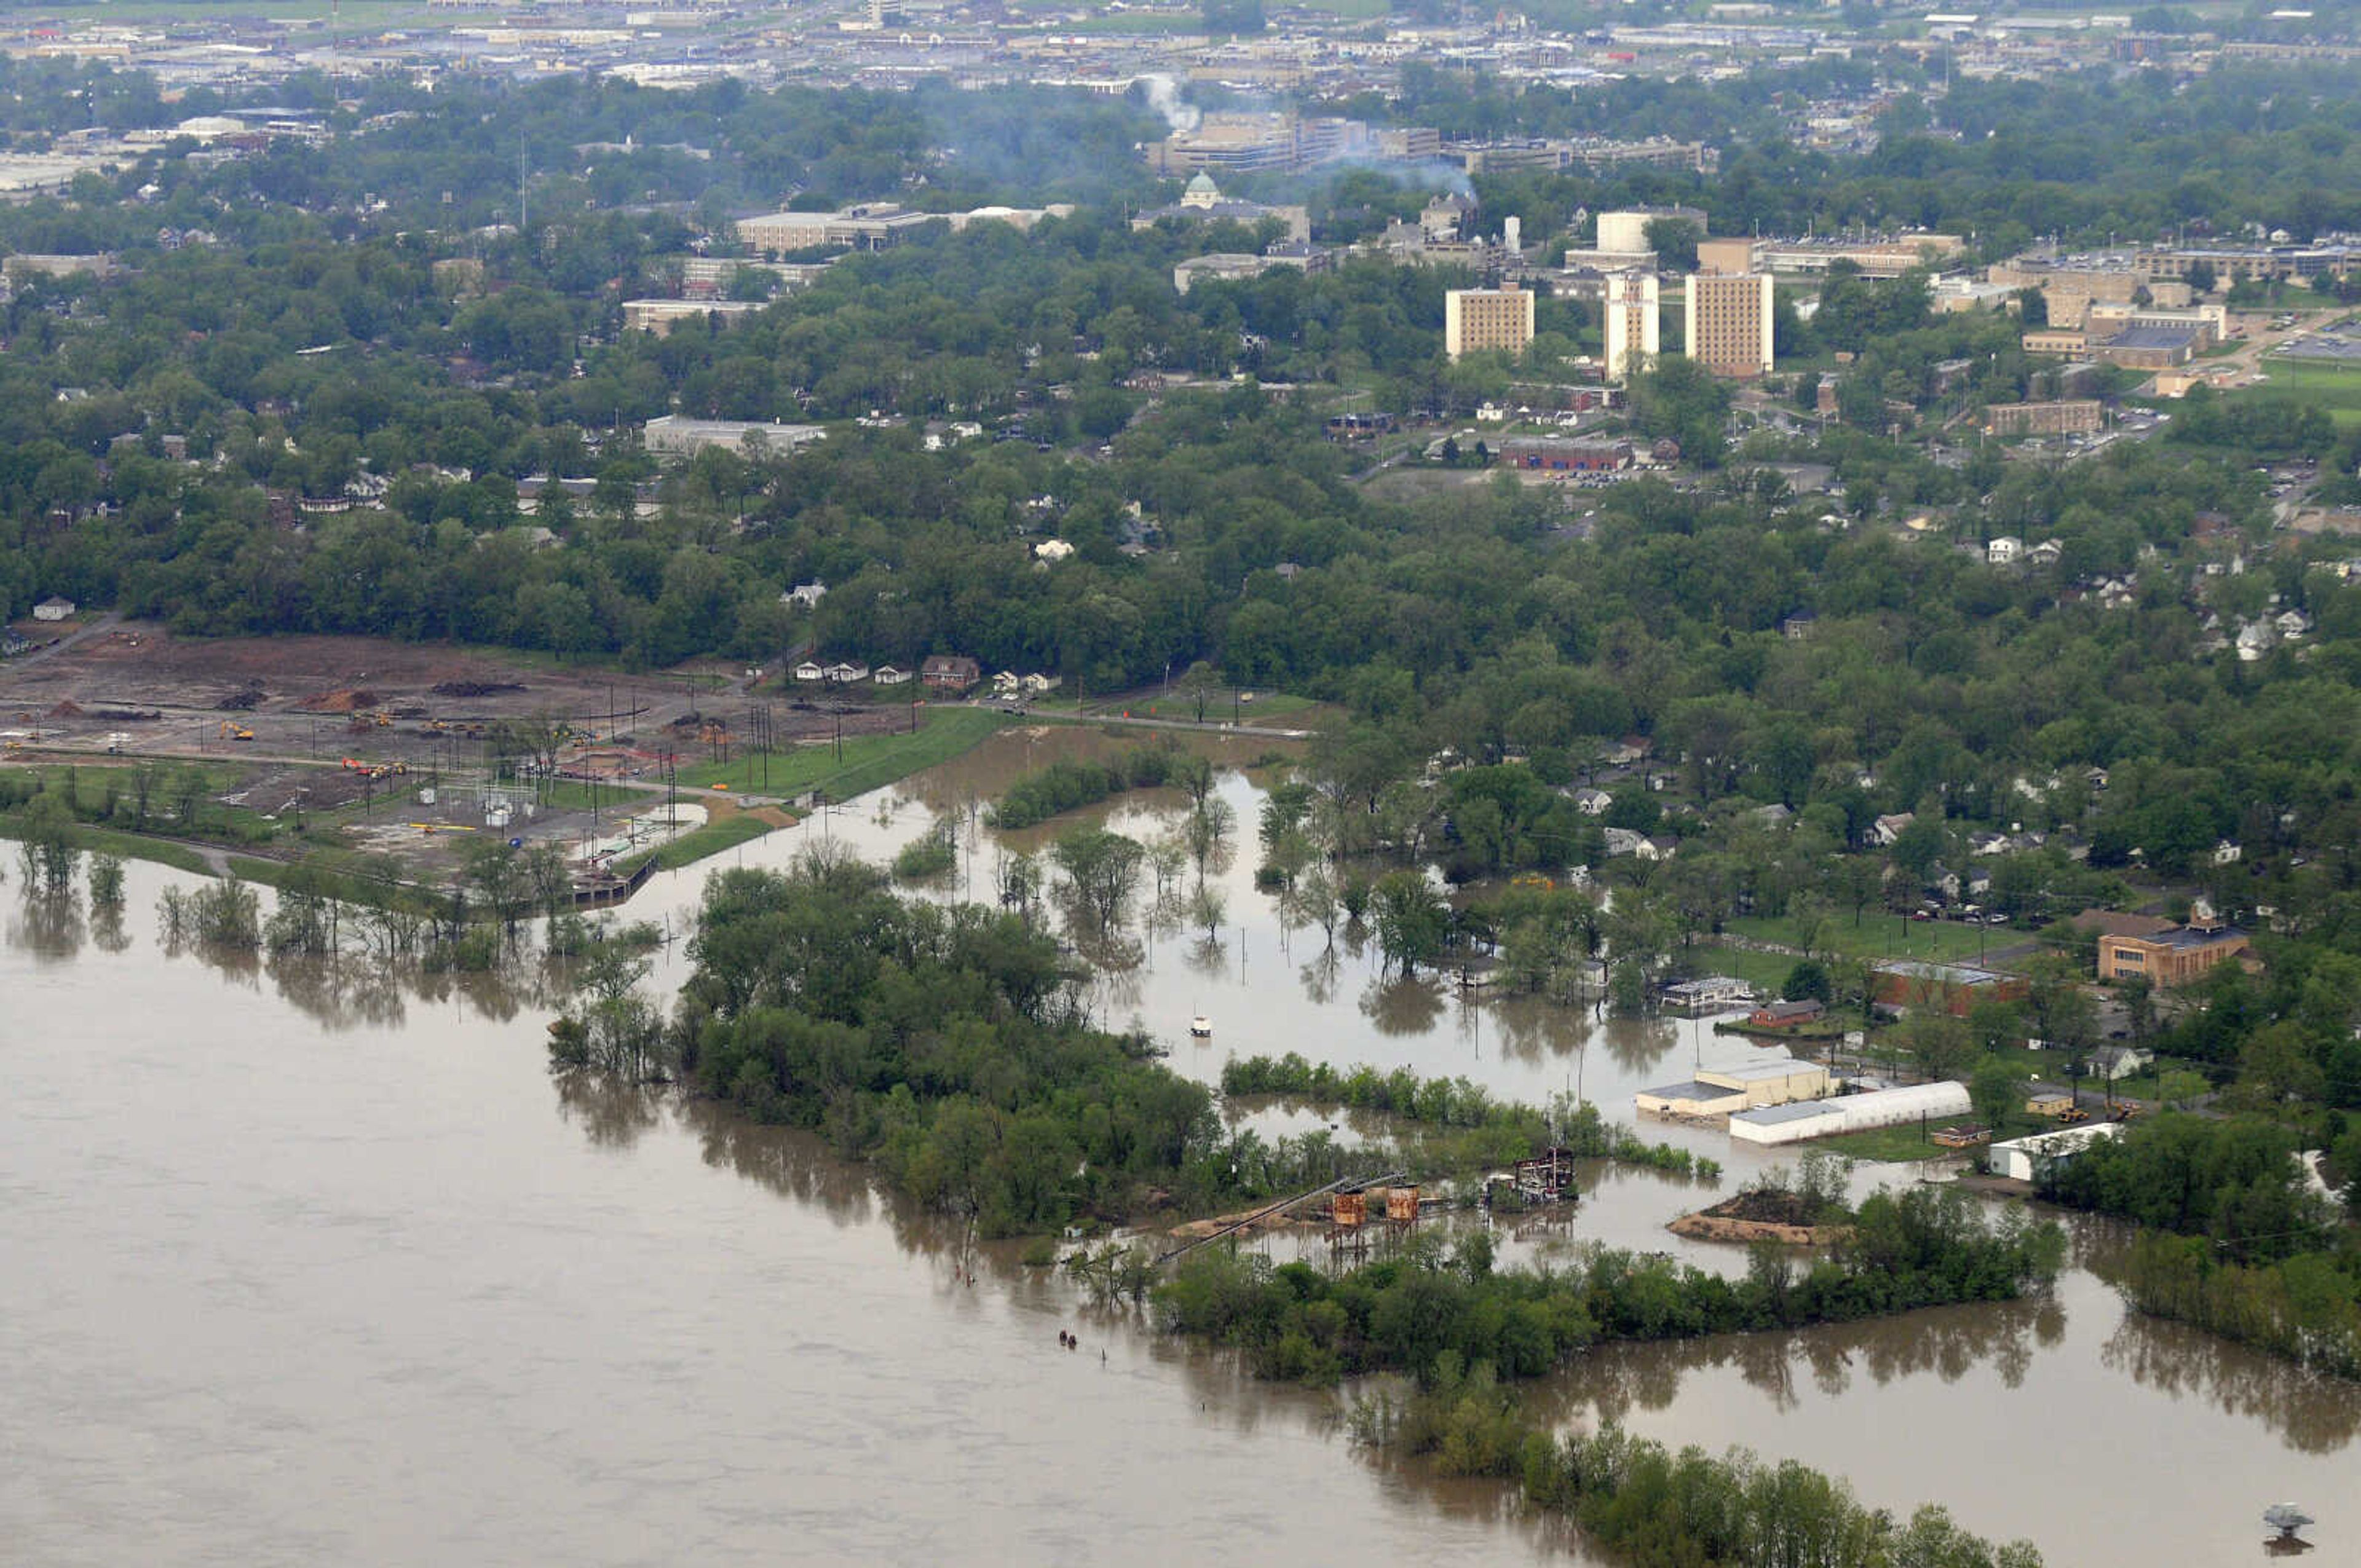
(305, 1265)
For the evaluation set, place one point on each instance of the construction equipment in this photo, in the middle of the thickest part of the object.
(236, 732)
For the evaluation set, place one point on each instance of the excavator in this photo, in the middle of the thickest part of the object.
(236, 732)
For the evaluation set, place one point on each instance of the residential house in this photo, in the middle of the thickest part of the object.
(1592, 802)
(2004, 551)
(54, 608)
(892, 676)
(1625, 752)
(1037, 685)
(1785, 1014)
(2114, 1063)
(2045, 554)
(1886, 829)
(1050, 550)
(846, 672)
(1798, 626)
(2228, 852)
(805, 596)
(950, 673)
(1621, 841)
(810, 670)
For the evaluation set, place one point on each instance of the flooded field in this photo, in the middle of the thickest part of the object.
(317, 1263)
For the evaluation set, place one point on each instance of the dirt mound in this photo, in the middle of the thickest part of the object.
(349, 699)
(246, 699)
(129, 714)
(1759, 1214)
(477, 688)
(1710, 1227)
(67, 709)
(1765, 1205)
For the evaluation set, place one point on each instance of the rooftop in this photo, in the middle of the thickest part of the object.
(2153, 337)
(1947, 974)
(1796, 1110)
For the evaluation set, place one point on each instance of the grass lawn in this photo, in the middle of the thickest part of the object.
(1883, 936)
(1765, 972)
(713, 839)
(2332, 385)
(868, 762)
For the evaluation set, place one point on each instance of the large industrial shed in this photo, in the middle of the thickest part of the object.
(1849, 1114)
(2021, 1159)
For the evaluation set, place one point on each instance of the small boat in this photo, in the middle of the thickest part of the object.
(1200, 1027)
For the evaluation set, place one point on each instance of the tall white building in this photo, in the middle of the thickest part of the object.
(1633, 323)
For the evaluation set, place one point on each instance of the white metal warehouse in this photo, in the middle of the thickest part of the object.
(1849, 1114)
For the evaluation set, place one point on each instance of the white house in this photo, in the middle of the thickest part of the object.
(806, 595)
(892, 676)
(1592, 802)
(844, 672)
(1626, 841)
(1036, 684)
(1886, 829)
(2004, 551)
(54, 608)
(2229, 851)
(1052, 550)
(810, 670)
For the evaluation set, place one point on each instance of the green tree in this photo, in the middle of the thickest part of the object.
(1411, 920)
(1997, 1086)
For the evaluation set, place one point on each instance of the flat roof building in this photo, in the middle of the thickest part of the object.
(1849, 1114)
(1726, 322)
(659, 316)
(676, 436)
(1950, 988)
(2170, 959)
(1627, 228)
(2077, 417)
(1564, 455)
(1721, 1091)
(1477, 320)
(1633, 323)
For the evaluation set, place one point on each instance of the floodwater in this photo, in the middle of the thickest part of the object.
(311, 1264)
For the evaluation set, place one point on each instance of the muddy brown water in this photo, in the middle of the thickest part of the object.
(303, 1264)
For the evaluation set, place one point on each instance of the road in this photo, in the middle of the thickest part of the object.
(103, 625)
(1185, 726)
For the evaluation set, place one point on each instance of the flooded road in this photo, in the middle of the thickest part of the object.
(305, 1265)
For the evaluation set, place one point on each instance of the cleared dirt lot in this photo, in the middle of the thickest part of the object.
(391, 746)
(329, 697)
